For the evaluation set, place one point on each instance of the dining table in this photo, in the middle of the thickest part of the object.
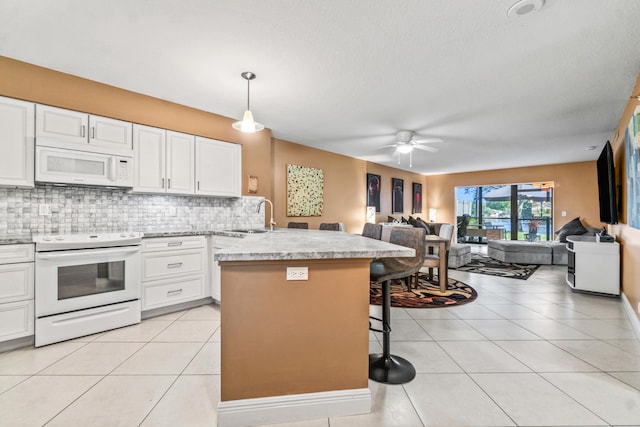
(434, 241)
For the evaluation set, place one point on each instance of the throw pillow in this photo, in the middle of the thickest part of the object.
(421, 223)
(572, 228)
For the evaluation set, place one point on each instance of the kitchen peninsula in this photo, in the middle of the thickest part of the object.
(295, 317)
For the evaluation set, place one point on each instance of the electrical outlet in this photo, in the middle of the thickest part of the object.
(297, 273)
(44, 209)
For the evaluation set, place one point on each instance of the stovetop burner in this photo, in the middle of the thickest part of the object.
(57, 242)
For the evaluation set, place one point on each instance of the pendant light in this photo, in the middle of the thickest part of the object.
(248, 124)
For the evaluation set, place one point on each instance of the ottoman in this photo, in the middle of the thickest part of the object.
(459, 255)
(520, 252)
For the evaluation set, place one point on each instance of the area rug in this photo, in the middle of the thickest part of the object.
(426, 295)
(482, 264)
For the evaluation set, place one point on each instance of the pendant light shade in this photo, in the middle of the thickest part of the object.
(247, 124)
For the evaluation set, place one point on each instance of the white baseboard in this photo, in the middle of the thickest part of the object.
(631, 313)
(292, 408)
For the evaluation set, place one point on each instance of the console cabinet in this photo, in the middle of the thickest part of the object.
(593, 266)
(16, 291)
(174, 270)
(16, 142)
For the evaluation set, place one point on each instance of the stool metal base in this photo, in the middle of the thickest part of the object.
(390, 369)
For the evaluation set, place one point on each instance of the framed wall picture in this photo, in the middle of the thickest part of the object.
(416, 201)
(373, 190)
(305, 188)
(397, 195)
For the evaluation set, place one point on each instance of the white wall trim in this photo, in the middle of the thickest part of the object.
(631, 313)
(295, 407)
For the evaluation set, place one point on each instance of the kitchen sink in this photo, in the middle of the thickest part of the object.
(250, 231)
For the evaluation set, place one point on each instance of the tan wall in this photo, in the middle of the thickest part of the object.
(32, 83)
(344, 185)
(628, 237)
(575, 189)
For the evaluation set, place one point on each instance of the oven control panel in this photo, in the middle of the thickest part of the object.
(56, 242)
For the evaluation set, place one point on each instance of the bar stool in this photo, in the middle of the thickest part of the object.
(302, 225)
(385, 367)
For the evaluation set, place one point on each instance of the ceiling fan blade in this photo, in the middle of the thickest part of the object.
(426, 140)
(390, 145)
(426, 148)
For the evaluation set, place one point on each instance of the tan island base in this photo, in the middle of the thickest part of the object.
(294, 350)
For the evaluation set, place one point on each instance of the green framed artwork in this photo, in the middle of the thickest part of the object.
(305, 188)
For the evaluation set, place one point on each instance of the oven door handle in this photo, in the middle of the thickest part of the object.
(74, 254)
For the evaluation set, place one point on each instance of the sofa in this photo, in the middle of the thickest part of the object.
(525, 252)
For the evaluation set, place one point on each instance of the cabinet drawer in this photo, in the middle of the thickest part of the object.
(16, 319)
(16, 253)
(171, 243)
(16, 282)
(162, 265)
(169, 292)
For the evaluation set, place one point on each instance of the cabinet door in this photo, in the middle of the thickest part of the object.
(60, 127)
(218, 168)
(16, 142)
(149, 147)
(110, 135)
(180, 163)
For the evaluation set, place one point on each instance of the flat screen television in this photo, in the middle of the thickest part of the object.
(607, 186)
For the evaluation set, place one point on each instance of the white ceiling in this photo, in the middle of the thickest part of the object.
(345, 75)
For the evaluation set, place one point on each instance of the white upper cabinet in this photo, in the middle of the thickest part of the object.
(61, 128)
(149, 146)
(16, 142)
(218, 168)
(164, 161)
(180, 163)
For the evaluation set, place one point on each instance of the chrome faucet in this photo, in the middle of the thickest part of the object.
(272, 223)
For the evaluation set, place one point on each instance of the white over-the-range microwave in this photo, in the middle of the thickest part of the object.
(64, 166)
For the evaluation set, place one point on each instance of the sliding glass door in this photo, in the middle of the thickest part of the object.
(515, 212)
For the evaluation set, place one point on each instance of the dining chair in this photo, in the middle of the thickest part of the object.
(385, 367)
(432, 259)
(372, 231)
(302, 225)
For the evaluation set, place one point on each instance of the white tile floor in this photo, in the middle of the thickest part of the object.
(528, 353)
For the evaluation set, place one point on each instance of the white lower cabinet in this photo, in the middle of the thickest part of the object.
(16, 291)
(174, 270)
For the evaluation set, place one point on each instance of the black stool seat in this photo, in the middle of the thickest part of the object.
(385, 367)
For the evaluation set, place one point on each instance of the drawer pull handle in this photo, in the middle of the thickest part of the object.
(174, 292)
(174, 265)
(174, 244)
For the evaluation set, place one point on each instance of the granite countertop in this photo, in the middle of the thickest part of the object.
(289, 244)
(171, 233)
(15, 239)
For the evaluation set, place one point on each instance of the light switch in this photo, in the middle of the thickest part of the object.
(297, 273)
(564, 213)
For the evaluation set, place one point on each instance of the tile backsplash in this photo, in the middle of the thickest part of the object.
(93, 209)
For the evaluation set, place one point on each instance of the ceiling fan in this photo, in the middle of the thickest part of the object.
(407, 140)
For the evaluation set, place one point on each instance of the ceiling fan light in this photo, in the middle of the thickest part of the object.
(405, 148)
(247, 124)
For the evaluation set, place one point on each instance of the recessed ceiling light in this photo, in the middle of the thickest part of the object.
(524, 7)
